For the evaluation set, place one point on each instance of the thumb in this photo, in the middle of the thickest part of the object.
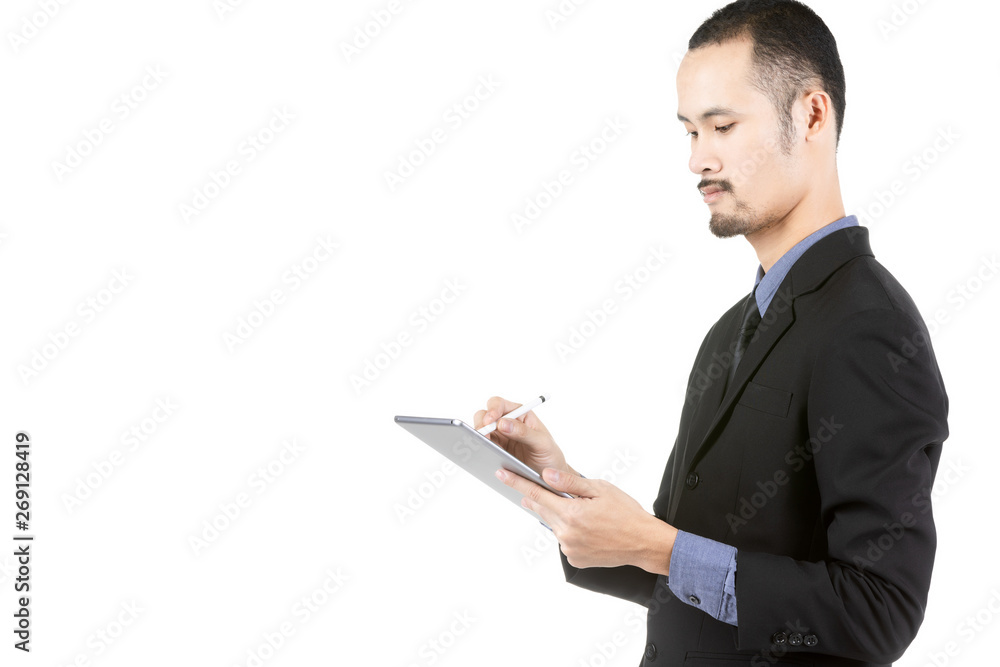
(574, 485)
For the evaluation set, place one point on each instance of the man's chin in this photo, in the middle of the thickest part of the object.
(726, 226)
(743, 222)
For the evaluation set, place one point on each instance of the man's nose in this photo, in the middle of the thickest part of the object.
(704, 160)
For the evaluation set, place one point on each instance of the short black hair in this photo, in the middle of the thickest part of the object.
(792, 49)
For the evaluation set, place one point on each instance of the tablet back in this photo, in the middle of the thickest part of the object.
(474, 453)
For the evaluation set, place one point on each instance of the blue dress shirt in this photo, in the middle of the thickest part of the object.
(703, 571)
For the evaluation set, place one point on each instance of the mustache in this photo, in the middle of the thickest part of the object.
(725, 186)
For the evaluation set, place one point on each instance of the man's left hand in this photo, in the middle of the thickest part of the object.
(602, 526)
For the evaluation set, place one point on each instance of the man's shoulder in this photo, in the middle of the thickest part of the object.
(859, 285)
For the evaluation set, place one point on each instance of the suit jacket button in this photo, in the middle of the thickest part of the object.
(650, 651)
(779, 638)
(692, 480)
(795, 639)
(810, 640)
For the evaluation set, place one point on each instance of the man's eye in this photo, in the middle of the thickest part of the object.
(724, 128)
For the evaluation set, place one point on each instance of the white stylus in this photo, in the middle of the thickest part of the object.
(523, 410)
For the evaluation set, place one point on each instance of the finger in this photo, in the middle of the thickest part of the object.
(477, 420)
(549, 517)
(538, 496)
(574, 485)
(525, 432)
(497, 406)
(531, 493)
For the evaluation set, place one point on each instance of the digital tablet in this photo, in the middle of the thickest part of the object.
(474, 453)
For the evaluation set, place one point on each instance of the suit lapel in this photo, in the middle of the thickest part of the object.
(769, 331)
(706, 421)
(817, 264)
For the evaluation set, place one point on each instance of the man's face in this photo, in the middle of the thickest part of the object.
(750, 177)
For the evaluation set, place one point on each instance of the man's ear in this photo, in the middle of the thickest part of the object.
(819, 114)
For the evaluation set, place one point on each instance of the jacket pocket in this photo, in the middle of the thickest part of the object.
(766, 399)
(697, 659)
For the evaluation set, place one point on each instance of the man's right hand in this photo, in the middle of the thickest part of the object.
(525, 437)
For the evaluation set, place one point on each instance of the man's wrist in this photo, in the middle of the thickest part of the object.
(657, 547)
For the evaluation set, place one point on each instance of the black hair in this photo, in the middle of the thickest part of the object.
(792, 49)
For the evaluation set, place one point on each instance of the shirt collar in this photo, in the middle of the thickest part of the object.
(766, 284)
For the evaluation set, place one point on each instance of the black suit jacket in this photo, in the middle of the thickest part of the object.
(816, 464)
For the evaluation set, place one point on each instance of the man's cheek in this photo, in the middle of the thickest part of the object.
(753, 165)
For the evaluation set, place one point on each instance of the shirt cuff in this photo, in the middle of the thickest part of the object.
(703, 575)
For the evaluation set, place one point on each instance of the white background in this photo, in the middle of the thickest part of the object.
(335, 507)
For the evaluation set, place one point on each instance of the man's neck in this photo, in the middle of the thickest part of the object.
(777, 239)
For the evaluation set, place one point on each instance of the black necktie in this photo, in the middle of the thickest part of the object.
(751, 318)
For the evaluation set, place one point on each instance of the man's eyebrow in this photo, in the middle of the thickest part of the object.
(714, 111)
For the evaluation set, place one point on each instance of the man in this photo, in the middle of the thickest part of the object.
(793, 522)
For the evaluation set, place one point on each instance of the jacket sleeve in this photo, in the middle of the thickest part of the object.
(877, 391)
(625, 581)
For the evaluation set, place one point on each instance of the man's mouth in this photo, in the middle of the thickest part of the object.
(711, 193)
